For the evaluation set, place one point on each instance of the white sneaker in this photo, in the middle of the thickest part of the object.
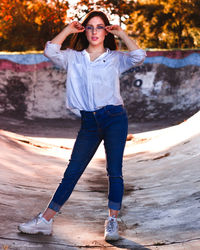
(111, 229)
(37, 225)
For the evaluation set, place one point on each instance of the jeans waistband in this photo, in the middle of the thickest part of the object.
(107, 107)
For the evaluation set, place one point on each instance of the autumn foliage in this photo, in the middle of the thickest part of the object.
(166, 23)
(27, 25)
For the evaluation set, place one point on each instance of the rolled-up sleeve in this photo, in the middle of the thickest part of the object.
(57, 56)
(131, 59)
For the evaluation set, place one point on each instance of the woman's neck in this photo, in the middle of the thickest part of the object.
(94, 49)
(95, 52)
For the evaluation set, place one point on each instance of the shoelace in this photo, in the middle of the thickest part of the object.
(110, 226)
(36, 218)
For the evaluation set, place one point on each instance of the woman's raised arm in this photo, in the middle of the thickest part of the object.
(74, 27)
(118, 31)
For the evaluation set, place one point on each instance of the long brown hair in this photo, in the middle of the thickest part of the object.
(79, 40)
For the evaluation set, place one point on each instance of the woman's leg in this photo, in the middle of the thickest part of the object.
(85, 147)
(113, 213)
(114, 141)
(49, 214)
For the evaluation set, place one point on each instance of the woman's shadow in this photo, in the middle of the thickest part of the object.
(127, 244)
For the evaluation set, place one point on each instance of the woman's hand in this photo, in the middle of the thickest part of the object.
(118, 31)
(75, 27)
(114, 29)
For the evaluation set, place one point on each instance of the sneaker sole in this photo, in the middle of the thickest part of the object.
(45, 232)
(112, 238)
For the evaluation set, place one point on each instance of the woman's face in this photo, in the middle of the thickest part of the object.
(95, 31)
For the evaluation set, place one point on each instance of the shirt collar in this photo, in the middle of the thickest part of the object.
(84, 52)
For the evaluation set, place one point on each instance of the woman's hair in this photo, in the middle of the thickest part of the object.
(79, 41)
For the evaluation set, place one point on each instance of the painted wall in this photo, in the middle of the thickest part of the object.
(167, 85)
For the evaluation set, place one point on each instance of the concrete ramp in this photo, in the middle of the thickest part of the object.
(161, 206)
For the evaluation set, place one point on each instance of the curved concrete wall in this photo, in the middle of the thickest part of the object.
(167, 85)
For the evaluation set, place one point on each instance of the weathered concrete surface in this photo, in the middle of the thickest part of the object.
(162, 189)
(166, 86)
(165, 92)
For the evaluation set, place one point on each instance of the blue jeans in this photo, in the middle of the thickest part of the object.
(110, 124)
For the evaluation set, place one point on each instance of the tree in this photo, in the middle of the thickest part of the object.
(121, 8)
(166, 23)
(27, 25)
(81, 8)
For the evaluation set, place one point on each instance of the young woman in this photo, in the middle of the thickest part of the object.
(93, 68)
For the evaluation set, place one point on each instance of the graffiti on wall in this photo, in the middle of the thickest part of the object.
(166, 85)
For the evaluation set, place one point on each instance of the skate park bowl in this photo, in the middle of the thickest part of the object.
(161, 166)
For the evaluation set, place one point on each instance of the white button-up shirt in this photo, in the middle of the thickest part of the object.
(90, 84)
